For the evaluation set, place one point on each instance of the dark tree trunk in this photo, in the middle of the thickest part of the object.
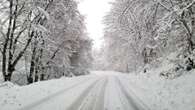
(36, 70)
(7, 78)
(36, 77)
(32, 66)
(6, 75)
(42, 78)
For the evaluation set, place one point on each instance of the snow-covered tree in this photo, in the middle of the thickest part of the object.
(46, 34)
(140, 31)
(18, 23)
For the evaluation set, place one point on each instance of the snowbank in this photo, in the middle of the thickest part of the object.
(14, 97)
(165, 94)
(7, 85)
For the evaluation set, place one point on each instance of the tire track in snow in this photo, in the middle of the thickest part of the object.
(100, 102)
(43, 100)
(122, 97)
(75, 105)
(123, 78)
(113, 96)
(132, 99)
(95, 100)
(90, 99)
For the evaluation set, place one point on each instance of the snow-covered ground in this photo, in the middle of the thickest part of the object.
(37, 95)
(165, 94)
(99, 91)
(102, 90)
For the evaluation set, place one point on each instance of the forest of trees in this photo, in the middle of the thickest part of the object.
(45, 39)
(140, 32)
(42, 39)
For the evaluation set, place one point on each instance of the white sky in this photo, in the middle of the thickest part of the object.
(95, 10)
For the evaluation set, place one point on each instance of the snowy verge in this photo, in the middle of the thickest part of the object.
(14, 97)
(165, 94)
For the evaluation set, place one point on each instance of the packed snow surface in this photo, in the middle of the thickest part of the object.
(102, 90)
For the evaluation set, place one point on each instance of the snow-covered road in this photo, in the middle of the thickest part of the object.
(93, 92)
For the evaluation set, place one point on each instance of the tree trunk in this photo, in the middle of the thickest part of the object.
(32, 66)
(8, 76)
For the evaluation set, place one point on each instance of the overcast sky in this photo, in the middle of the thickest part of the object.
(95, 10)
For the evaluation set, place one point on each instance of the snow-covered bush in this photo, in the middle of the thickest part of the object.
(79, 71)
(178, 65)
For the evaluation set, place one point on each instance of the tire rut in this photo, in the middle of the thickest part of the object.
(100, 101)
(132, 99)
(43, 100)
(76, 105)
(94, 100)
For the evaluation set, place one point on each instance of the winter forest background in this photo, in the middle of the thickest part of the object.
(47, 39)
(141, 35)
(42, 39)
